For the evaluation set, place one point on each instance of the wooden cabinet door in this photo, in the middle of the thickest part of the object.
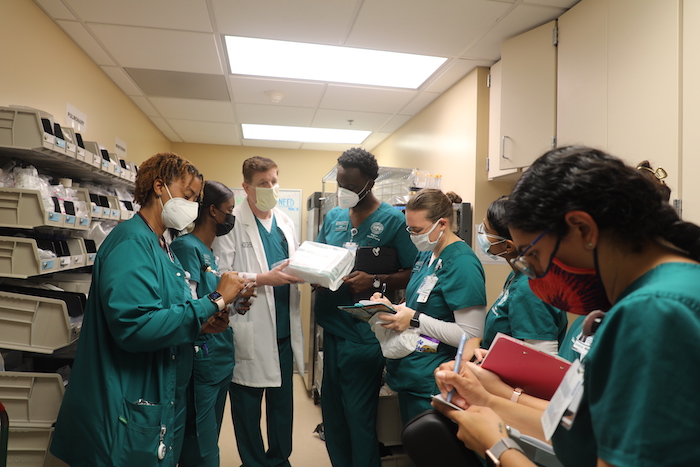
(528, 96)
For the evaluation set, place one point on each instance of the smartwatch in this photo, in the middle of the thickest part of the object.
(415, 321)
(493, 455)
(217, 300)
(377, 283)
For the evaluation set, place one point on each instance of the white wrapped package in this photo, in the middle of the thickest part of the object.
(318, 263)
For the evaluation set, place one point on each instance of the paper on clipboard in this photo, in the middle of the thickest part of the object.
(522, 365)
(365, 309)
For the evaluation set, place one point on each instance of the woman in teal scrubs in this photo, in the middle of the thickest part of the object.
(445, 297)
(517, 312)
(213, 353)
(125, 404)
(592, 229)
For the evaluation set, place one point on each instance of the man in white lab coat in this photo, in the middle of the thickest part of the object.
(269, 335)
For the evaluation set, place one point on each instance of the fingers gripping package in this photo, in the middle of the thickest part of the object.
(318, 263)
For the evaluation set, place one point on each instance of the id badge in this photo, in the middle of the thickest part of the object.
(427, 344)
(567, 395)
(352, 246)
(426, 287)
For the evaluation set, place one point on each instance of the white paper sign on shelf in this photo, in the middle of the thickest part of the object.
(120, 148)
(75, 118)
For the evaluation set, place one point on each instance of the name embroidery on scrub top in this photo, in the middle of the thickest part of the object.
(502, 297)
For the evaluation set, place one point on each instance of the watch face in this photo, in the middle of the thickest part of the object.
(376, 284)
(214, 296)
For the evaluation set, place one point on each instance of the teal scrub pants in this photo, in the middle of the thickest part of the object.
(411, 405)
(352, 375)
(201, 447)
(246, 411)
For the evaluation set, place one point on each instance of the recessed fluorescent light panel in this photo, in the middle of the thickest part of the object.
(281, 59)
(303, 134)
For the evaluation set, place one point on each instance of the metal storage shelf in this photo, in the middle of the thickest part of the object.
(22, 135)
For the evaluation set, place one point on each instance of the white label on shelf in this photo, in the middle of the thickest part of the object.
(119, 148)
(96, 160)
(80, 153)
(65, 261)
(75, 118)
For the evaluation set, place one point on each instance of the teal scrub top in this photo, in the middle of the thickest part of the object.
(640, 404)
(519, 313)
(386, 226)
(460, 284)
(214, 356)
(276, 250)
(134, 356)
(566, 349)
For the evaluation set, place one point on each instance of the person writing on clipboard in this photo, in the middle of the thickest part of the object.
(353, 361)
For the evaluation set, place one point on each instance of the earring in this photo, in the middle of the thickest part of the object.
(589, 245)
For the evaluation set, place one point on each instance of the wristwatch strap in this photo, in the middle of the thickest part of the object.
(494, 454)
(516, 395)
(415, 321)
(218, 300)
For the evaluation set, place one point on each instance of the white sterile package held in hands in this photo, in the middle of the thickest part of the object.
(394, 344)
(318, 263)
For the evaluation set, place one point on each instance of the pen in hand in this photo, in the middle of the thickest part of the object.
(458, 361)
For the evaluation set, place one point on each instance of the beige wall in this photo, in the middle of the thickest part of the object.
(41, 67)
(450, 137)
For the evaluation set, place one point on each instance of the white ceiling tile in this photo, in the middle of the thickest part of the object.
(339, 119)
(441, 28)
(374, 139)
(521, 19)
(456, 70)
(274, 114)
(315, 21)
(420, 102)
(122, 80)
(206, 132)
(363, 99)
(55, 9)
(167, 130)
(335, 147)
(258, 143)
(187, 15)
(395, 123)
(565, 4)
(297, 94)
(85, 41)
(158, 49)
(145, 106)
(194, 109)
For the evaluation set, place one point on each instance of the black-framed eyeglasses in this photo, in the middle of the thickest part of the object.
(522, 265)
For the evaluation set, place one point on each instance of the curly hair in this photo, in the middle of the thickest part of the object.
(496, 215)
(620, 199)
(360, 159)
(164, 166)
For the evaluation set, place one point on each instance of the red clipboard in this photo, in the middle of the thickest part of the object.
(521, 365)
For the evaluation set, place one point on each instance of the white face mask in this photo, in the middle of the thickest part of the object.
(178, 213)
(422, 241)
(349, 199)
(266, 198)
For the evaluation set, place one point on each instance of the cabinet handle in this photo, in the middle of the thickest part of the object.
(503, 146)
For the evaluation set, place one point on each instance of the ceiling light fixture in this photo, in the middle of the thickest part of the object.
(296, 60)
(303, 134)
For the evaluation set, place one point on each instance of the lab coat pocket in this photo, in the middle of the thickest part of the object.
(138, 435)
(243, 340)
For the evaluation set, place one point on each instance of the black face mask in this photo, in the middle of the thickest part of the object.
(229, 222)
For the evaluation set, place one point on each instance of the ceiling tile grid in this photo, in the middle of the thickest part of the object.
(168, 56)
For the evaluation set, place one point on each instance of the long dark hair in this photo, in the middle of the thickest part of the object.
(621, 200)
(215, 193)
(496, 215)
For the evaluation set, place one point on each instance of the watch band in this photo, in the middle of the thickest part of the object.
(494, 454)
(415, 321)
(218, 300)
(516, 395)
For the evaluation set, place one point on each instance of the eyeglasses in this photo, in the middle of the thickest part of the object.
(522, 265)
(417, 232)
(481, 229)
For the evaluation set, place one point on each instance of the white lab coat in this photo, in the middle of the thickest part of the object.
(255, 333)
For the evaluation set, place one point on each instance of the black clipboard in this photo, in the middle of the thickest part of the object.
(376, 260)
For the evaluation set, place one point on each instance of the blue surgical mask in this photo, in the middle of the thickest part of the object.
(485, 244)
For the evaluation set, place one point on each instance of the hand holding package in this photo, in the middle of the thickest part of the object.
(394, 344)
(318, 263)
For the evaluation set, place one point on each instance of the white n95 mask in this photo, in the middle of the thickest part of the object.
(178, 213)
(348, 199)
(422, 241)
(266, 198)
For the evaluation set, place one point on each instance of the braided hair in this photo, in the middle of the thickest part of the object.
(621, 200)
(164, 166)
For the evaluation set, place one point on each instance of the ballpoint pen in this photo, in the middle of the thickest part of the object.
(458, 361)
